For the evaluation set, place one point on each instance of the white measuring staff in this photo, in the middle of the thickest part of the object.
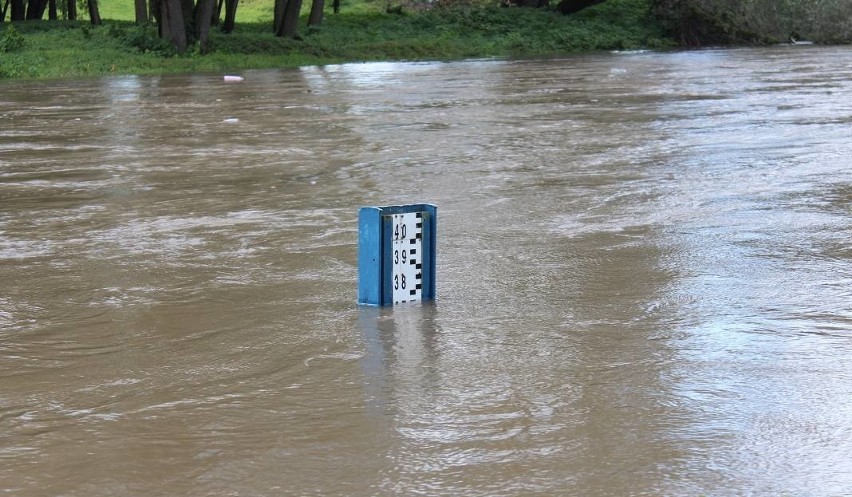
(407, 238)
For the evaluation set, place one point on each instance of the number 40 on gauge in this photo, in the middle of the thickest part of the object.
(396, 254)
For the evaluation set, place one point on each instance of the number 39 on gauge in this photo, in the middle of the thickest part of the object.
(396, 254)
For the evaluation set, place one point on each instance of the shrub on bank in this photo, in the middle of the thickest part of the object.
(12, 40)
(725, 22)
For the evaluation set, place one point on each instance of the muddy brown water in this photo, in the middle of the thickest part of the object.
(644, 280)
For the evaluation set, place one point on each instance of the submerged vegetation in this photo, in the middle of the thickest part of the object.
(369, 30)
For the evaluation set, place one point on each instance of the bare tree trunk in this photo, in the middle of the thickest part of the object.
(335, 5)
(230, 15)
(3, 11)
(278, 16)
(317, 7)
(94, 14)
(141, 7)
(217, 12)
(188, 7)
(72, 10)
(532, 3)
(35, 9)
(290, 19)
(203, 19)
(172, 27)
(571, 6)
(52, 13)
(18, 11)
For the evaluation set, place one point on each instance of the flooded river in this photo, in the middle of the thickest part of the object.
(644, 280)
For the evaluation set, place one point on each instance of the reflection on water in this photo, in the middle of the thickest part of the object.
(644, 280)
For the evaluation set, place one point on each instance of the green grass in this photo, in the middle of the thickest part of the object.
(362, 32)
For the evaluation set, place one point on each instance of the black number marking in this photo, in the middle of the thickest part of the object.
(400, 256)
(400, 231)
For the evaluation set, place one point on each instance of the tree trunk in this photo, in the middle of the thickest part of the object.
(290, 21)
(3, 10)
(141, 7)
(317, 6)
(172, 27)
(335, 6)
(190, 26)
(230, 15)
(18, 11)
(571, 6)
(52, 13)
(278, 16)
(94, 14)
(203, 19)
(35, 9)
(72, 10)
(217, 12)
(532, 3)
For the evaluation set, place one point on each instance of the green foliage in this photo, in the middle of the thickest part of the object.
(142, 39)
(11, 68)
(824, 21)
(363, 31)
(11, 41)
(17, 66)
(723, 22)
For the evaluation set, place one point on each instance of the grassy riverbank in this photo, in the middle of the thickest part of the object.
(361, 32)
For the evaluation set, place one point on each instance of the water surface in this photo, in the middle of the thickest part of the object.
(644, 280)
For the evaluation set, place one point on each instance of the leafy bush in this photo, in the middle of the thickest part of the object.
(15, 66)
(12, 40)
(707, 22)
(143, 39)
(827, 21)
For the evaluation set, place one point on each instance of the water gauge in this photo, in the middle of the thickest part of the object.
(396, 254)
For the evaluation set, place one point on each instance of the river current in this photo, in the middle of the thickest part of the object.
(644, 280)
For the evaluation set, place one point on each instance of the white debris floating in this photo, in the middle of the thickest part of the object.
(230, 78)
